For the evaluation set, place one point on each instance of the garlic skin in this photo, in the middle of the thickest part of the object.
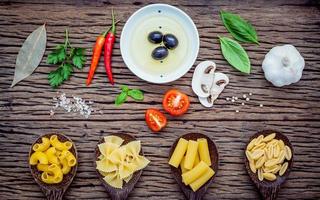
(283, 65)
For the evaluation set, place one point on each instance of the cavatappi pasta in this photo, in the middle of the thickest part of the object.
(53, 158)
(268, 157)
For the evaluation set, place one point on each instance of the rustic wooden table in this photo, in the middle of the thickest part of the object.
(292, 110)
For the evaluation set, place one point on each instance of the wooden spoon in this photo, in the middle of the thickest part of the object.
(269, 189)
(116, 193)
(187, 191)
(54, 191)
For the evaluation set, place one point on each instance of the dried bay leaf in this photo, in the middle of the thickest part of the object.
(30, 54)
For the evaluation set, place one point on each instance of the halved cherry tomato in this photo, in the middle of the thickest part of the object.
(155, 119)
(175, 102)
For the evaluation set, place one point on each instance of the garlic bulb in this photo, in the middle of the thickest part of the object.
(283, 65)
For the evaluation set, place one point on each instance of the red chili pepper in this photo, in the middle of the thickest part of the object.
(108, 46)
(96, 55)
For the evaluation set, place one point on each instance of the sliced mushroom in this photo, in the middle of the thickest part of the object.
(218, 85)
(203, 78)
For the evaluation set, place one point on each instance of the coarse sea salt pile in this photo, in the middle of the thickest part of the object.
(75, 105)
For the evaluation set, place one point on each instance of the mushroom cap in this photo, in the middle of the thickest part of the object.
(219, 83)
(203, 77)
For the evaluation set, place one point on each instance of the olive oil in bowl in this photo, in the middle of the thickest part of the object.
(136, 49)
(141, 48)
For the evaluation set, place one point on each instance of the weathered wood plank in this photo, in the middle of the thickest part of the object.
(293, 110)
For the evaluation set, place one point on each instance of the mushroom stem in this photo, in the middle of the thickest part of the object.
(285, 61)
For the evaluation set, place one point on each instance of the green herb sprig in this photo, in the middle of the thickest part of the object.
(67, 57)
(125, 92)
(242, 31)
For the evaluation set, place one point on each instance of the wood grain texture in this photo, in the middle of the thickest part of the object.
(293, 110)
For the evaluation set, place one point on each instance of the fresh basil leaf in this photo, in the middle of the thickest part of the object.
(121, 98)
(239, 28)
(234, 53)
(124, 88)
(136, 94)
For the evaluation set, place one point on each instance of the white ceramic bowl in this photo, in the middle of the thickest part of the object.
(191, 34)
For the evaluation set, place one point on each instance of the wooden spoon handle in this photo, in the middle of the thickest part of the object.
(54, 194)
(269, 193)
(118, 197)
(195, 196)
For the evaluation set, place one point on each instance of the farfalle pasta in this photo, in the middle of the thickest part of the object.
(53, 158)
(118, 163)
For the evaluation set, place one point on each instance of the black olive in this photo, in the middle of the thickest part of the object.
(155, 37)
(159, 53)
(170, 41)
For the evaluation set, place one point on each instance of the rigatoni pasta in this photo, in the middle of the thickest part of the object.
(192, 175)
(53, 158)
(204, 151)
(267, 156)
(194, 160)
(178, 152)
(191, 154)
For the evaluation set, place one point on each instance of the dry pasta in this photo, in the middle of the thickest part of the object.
(38, 157)
(42, 146)
(268, 157)
(59, 145)
(197, 155)
(53, 158)
(51, 154)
